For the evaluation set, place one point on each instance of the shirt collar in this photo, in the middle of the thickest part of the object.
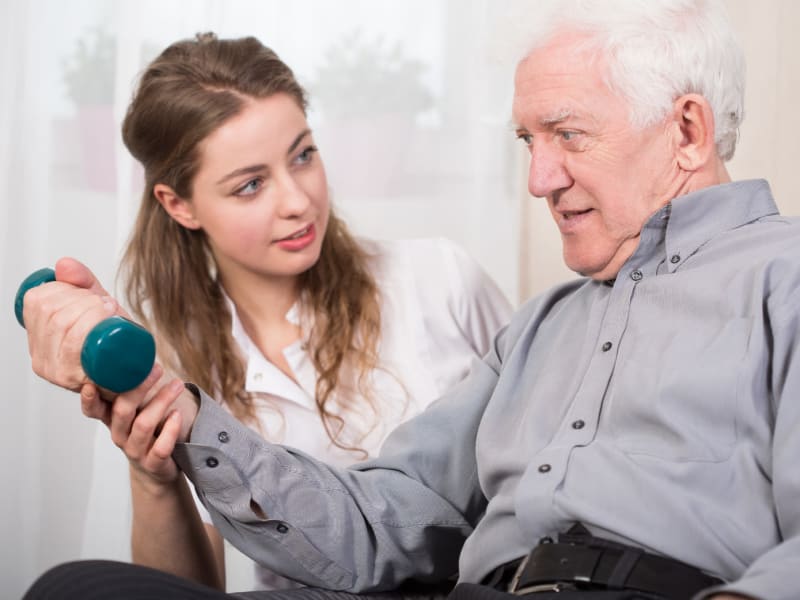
(698, 217)
(689, 221)
(261, 376)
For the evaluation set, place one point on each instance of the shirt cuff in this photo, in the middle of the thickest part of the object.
(217, 444)
(231, 467)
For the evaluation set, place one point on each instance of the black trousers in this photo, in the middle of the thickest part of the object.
(107, 580)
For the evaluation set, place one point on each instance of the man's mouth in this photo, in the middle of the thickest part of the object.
(567, 215)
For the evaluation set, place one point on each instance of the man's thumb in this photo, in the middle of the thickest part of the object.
(76, 273)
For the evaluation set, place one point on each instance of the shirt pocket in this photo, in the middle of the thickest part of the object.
(674, 391)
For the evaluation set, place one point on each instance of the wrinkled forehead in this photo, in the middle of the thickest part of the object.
(563, 52)
(564, 67)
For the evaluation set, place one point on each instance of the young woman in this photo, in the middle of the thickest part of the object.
(256, 290)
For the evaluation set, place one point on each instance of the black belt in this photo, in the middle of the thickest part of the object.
(579, 560)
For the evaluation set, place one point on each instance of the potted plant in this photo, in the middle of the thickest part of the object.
(89, 81)
(363, 87)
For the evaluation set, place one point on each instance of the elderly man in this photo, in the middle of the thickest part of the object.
(632, 434)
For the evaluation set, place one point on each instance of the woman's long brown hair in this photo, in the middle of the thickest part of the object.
(186, 93)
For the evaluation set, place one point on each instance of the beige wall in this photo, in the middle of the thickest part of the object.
(768, 144)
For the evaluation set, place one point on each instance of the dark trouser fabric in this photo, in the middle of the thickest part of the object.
(108, 580)
(471, 591)
(104, 580)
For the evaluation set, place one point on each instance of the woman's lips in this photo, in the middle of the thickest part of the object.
(299, 239)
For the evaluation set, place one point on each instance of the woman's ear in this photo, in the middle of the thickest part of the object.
(694, 124)
(178, 208)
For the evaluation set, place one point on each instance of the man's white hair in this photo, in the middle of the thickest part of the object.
(656, 51)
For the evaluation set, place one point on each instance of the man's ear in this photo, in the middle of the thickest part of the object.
(694, 127)
(178, 208)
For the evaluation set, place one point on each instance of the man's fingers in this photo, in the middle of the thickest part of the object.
(57, 327)
(71, 271)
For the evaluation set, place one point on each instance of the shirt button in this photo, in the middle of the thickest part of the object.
(579, 424)
(675, 259)
(223, 437)
(282, 528)
(545, 468)
(211, 462)
(258, 376)
(607, 346)
(636, 275)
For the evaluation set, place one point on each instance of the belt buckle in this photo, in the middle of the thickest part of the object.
(544, 587)
(556, 586)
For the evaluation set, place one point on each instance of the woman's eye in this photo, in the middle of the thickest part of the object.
(251, 187)
(306, 155)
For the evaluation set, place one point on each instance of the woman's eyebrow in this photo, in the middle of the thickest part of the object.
(297, 140)
(243, 171)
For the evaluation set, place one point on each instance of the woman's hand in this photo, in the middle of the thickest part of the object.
(145, 423)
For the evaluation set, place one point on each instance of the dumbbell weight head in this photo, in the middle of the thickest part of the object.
(36, 278)
(117, 354)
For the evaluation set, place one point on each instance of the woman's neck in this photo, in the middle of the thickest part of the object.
(264, 300)
(261, 305)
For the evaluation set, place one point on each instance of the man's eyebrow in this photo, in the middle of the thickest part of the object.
(515, 126)
(555, 118)
(261, 167)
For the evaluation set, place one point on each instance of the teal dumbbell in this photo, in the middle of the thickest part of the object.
(117, 355)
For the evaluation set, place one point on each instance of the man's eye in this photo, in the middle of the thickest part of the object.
(527, 138)
(567, 135)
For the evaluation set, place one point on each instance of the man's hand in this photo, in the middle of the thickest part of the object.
(58, 317)
(76, 273)
(146, 422)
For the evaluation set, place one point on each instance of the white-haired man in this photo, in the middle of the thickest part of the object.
(633, 433)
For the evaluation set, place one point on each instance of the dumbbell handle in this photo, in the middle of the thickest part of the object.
(117, 354)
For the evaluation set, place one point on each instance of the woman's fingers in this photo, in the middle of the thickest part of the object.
(167, 438)
(126, 407)
(93, 406)
(149, 419)
(154, 434)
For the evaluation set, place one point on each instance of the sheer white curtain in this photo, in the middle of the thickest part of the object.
(411, 114)
(421, 146)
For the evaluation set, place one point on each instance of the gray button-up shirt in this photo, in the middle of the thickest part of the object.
(661, 410)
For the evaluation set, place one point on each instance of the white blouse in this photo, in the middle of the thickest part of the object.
(439, 311)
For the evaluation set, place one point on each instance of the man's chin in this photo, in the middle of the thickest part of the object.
(601, 273)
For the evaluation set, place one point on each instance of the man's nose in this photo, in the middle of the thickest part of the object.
(547, 172)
